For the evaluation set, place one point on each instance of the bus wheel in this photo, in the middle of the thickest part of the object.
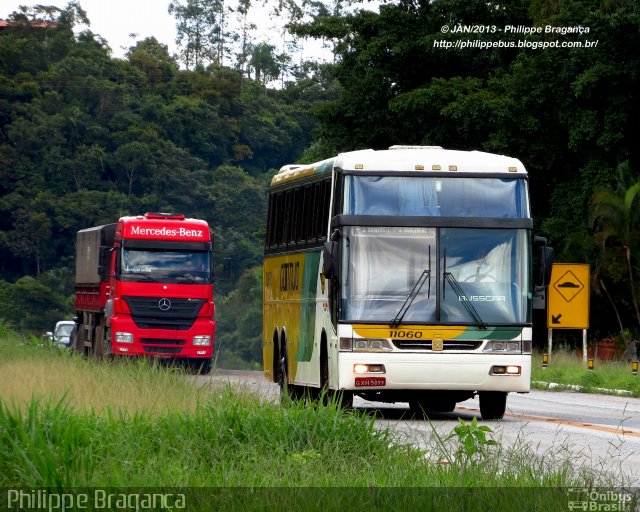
(418, 409)
(283, 378)
(344, 399)
(493, 404)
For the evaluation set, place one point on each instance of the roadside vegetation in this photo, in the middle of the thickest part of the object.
(567, 371)
(67, 422)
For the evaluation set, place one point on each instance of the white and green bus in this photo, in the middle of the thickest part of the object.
(401, 275)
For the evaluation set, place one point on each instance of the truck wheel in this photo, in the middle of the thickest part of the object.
(493, 404)
(203, 367)
(76, 343)
(106, 344)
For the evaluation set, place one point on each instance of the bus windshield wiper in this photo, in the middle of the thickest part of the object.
(426, 274)
(453, 282)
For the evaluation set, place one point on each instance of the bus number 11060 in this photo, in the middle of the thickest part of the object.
(405, 334)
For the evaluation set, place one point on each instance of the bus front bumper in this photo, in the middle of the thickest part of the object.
(439, 371)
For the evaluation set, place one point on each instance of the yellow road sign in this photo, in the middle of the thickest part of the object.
(568, 306)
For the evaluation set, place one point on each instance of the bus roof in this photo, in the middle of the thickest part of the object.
(407, 158)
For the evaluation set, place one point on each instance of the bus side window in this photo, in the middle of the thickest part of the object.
(326, 195)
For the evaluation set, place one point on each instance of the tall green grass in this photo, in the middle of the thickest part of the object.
(567, 369)
(151, 427)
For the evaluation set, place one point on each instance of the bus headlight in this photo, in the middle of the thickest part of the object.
(202, 341)
(505, 370)
(368, 368)
(124, 337)
(504, 347)
(365, 345)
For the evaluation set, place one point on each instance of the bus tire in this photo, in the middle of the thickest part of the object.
(283, 375)
(493, 404)
(342, 398)
(275, 367)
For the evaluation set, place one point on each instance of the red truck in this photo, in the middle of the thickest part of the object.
(144, 288)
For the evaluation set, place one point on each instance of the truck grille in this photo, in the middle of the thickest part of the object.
(164, 312)
(161, 341)
(162, 350)
(427, 345)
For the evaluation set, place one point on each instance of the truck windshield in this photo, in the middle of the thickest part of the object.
(165, 266)
(426, 275)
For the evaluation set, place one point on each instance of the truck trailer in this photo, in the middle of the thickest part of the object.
(144, 288)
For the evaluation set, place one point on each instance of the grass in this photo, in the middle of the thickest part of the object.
(568, 371)
(70, 423)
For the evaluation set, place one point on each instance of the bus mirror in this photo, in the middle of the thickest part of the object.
(330, 260)
(542, 271)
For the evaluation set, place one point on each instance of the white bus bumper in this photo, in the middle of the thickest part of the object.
(441, 371)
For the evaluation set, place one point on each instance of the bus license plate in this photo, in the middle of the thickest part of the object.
(362, 382)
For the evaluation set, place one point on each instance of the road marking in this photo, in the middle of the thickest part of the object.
(601, 428)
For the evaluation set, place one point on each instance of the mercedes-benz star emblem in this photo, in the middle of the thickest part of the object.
(164, 304)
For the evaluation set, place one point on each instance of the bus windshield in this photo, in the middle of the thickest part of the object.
(436, 196)
(486, 269)
(165, 266)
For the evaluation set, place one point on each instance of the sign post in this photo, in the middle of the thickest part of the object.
(568, 306)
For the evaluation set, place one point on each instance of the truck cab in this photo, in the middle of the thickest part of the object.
(144, 288)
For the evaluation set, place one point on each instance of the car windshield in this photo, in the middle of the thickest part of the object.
(64, 330)
(165, 266)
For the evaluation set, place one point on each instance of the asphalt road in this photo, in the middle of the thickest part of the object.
(601, 431)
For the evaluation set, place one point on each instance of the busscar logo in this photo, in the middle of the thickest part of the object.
(164, 304)
(482, 298)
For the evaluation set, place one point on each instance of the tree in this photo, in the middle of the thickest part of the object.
(615, 220)
(244, 37)
(201, 31)
(265, 63)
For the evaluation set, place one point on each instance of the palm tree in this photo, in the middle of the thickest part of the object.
(615, 222)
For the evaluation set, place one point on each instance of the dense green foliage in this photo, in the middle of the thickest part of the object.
(85, 138)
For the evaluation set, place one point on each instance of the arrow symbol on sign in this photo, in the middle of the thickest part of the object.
(556, 319)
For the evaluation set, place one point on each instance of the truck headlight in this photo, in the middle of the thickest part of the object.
(202, 341)
(124, 337)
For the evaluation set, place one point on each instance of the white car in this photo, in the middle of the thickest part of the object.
(61, 335)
